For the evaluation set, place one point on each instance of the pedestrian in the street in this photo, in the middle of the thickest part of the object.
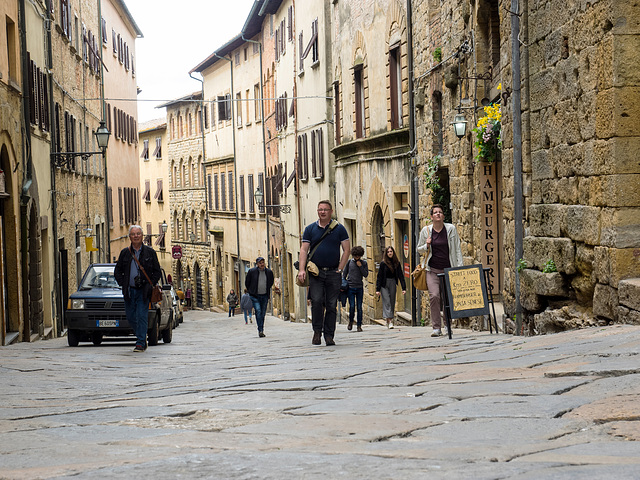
(354, 272)
(322, 241)
(133, 262)
(232, 300)
(246, 304)
(187, 295)
(389, 274)
(441, 243)
(259, 281)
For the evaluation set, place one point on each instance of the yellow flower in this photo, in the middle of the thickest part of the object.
(499, 87)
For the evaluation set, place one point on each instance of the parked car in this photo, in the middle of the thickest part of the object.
(96, 310)
(178, 310)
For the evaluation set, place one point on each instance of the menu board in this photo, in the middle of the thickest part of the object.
(466, 291)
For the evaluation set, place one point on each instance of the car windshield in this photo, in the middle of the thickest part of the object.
(99, 276)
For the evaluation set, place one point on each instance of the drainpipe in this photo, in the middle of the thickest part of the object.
(414, 190)
(235, 167)
(517, 153)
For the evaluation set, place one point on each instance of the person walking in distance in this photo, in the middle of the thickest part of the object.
(441, 243)
(324, 238)
(136, 289)
(246, 304)
(232, 300)
(356, 269)
(389, 274)
(259, 281)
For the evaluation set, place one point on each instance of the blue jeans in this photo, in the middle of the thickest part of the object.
(137, 310)
(260, 306)
(354, 295)
(247, 314)
(324, 290)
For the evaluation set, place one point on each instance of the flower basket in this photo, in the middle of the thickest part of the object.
(488, 134)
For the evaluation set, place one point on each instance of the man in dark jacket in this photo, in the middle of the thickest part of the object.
(135, 286)
(259, 281)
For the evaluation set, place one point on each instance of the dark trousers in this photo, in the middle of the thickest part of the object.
(137, 311)
(354, 295)
(324, 290)
(260, 306)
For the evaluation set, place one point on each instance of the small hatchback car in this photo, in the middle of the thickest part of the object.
(96, 310)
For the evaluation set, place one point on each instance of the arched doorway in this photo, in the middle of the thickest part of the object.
(218, 280)
(198, 278)
(378, 244)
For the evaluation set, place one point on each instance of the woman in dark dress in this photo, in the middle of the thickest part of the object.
(389, 274)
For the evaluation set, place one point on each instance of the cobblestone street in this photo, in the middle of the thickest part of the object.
(219, 402)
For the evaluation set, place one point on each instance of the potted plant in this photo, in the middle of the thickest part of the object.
(488, 134)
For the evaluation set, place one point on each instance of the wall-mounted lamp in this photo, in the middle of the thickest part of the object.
(459, 125)
(64, 159)
(259, 197)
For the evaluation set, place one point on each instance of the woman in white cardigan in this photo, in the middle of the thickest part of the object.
(441, 243)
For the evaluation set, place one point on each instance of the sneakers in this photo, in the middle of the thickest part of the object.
(350, 326)
(261, 334)
(317, 336)
(359, 329)
(436, 332)
(139, 348)
(391, 324)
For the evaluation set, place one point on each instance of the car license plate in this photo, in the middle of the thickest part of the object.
(108, 323)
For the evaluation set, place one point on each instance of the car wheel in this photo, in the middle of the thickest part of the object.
(96, 338)
(167, 333)
(153, 333)
(73, 337)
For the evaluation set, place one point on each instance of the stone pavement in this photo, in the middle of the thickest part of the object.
(221, 403)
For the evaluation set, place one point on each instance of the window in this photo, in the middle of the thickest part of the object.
(359, 91)
(158, 151)
(146, 196)
(230, 174)
(147, 237)
(237, 58)
(246, 53)
(223, 191)
(158, 196)
(205, 114)
(248, 107)
(65, 17)
(189, 125)
(303, 159)
(317, 154)
(250, 191)
(224, 107)
(209, 193)
(114, 40)
(160, 240)
(215, 191)
(290, 25)
(395, 87)
(145, 150)
(436, 118)
(241, 193)
(120, 202)
(103, 31)
(257, 102)
(239, 109)
(261, 187)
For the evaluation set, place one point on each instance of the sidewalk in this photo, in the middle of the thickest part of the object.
(219, 402)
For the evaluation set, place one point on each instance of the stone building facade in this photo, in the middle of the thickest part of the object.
(580, 184)
(187, 199)
(370, 140)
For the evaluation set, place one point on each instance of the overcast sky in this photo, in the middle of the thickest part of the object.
(178, 35)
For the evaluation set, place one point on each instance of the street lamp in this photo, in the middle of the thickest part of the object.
(64, 159)
(259, 197)
(164, 227)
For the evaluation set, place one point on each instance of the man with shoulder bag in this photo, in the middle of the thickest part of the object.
(137, 271)
(324, 238)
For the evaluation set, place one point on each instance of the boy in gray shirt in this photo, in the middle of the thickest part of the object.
(355, 270)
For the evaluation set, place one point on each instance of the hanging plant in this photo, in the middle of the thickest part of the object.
(431, 173)
(488, 133)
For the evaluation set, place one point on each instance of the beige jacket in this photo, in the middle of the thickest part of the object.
(455, 253)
